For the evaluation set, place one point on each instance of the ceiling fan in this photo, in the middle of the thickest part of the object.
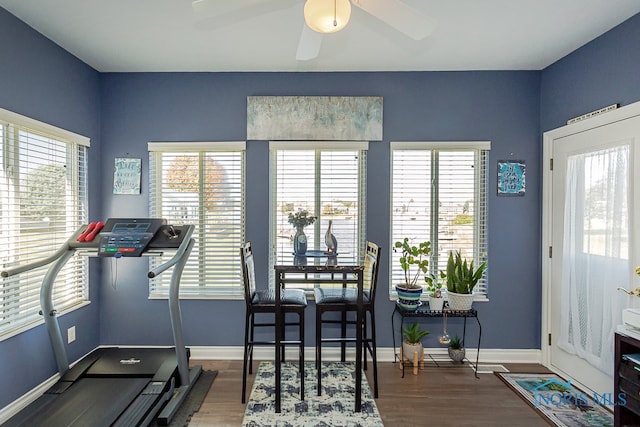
(395, 13)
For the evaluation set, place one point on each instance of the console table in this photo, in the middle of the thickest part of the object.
(423, 312)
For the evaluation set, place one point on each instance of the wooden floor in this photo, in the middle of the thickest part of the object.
(445, 396)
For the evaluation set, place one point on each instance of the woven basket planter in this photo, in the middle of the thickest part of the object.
(460, 302)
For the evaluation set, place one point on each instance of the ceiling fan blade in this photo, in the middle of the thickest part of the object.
(400, 16)
(215, 7)
(239, 8)
(217, 14)
(309, 44)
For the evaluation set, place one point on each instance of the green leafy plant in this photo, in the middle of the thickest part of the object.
(456, 343)
(301, 219)
(413, 333)
(461, 276)
(413, 256)
(434, 285)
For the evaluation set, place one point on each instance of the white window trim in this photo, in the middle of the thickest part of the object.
(443, 145)
(430, 145)
(313, 145)
(27, 122)
(319, 145)
(11, 118)
(197, 146)
(226, 293)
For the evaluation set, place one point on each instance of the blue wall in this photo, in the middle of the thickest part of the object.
(498, 106)
(122, 112)
(40, 80)
(601, 73)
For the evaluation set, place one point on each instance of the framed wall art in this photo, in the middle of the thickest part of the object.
(126, 175)
(511, 178)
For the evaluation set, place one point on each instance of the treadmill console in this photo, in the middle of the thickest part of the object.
(127, 236)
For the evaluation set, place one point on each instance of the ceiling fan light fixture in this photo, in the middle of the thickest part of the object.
(327, 16)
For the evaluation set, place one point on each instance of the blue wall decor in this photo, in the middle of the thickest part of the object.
(511, 178)
(126, 175)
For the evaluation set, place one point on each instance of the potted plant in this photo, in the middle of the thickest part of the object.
(412, 348)
(456, 350)
(434, 292)
(462, 277)
(414, 260)
(300, 220)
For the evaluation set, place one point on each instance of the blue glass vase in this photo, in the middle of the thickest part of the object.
(300, 242)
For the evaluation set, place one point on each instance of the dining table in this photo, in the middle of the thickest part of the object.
(309, 271)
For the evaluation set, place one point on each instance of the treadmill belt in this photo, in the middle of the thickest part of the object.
(89, 402)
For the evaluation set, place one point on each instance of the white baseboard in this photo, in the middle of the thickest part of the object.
(387, 354)
(25, 400)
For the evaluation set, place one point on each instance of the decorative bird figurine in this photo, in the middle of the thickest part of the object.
(330, 240)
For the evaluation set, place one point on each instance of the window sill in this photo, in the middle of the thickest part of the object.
(198, 297)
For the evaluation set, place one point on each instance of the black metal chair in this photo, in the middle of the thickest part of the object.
(344, 301)
(263, 302)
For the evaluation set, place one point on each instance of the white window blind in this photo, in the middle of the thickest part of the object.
(201, 184)
(43, 200)
(439, 194)
(330, 183)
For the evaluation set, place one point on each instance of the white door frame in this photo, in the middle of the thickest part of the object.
(619, 114)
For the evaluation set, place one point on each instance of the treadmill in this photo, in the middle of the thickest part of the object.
(115, 386)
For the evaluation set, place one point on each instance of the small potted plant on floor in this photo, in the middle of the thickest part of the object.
(412, 348)
(461, 278)
(414, 260)
(456, 350)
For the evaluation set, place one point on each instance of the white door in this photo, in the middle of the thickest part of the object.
(594, 247)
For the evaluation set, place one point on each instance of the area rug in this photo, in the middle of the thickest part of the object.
(335, 407)
(560, 402)
(193, 401)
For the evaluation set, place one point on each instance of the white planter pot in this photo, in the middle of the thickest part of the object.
(409, 351)
(460, 302)
(435, 304)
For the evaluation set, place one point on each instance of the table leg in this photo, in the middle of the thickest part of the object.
(279, 329)
(479, 338)
(393, 334)
(358, 407)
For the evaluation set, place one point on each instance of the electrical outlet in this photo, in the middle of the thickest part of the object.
(71, 334)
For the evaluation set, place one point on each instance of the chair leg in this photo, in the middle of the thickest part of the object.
(248, 318)
(343, 331)
(374, 354)
(365, 341)
(318, 348)
(251, 339)
(301, 355)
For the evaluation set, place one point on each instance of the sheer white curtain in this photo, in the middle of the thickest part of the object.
(595, 253)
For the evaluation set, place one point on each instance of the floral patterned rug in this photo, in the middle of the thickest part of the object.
(334, 408)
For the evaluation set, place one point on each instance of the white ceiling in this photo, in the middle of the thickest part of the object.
(168, 35)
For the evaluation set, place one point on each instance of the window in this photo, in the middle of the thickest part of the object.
(439, 194)
(43, 200)
(327, 181)
(201, 184)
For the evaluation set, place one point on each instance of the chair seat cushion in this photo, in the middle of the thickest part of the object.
(287, 297)
(338, 296)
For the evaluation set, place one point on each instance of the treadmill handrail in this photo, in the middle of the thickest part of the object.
(176, 257)
(38, 263)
